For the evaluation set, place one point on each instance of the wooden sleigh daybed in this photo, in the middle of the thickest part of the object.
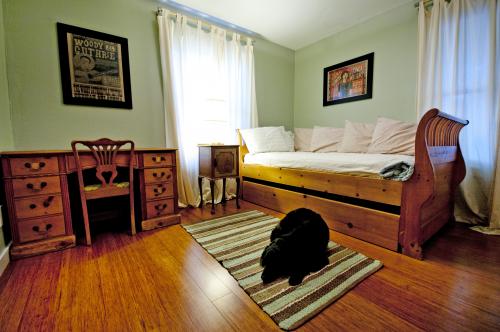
(399, 216)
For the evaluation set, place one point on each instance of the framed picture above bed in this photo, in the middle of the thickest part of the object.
(94, 68)
(348, 81)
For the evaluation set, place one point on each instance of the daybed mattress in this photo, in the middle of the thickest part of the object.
(392, 166)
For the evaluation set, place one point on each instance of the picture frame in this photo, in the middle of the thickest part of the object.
(94, 68)
(348, 81)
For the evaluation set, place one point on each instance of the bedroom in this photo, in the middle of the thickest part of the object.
(163, 279)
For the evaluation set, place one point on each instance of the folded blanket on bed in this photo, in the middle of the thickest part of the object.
(400, 171)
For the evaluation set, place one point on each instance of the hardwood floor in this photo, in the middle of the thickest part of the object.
(164, 281)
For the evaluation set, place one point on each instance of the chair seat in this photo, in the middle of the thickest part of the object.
(95, 191)
(92, 187)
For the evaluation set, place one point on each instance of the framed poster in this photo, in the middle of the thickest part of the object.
(348, 81)
(94, 68)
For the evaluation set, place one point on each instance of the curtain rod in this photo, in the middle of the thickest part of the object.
(427, 3)
(206, 18)
(206, 26)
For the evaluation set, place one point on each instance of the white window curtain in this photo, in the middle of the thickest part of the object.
(209, 92)
(459, 73)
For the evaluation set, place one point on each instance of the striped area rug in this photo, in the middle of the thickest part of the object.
(237, 242)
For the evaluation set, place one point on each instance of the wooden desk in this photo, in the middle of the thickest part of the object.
(38, 200)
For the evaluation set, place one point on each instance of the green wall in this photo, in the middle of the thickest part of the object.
(274, 77)
(288, 83)
(393, 38)
(6, 139)
(41, 120)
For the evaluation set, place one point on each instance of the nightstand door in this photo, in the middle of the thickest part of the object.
(225, 162)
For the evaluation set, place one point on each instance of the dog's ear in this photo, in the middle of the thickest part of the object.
(272, 253)
(269, 254)
(269, 274)
(276, 232)
(264, 257)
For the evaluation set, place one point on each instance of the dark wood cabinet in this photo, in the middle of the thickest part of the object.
(219, 162)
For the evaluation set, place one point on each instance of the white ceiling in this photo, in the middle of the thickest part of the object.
(294, 23)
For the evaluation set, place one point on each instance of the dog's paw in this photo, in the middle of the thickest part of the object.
(268, 276)
(296, 279)
(319, 264)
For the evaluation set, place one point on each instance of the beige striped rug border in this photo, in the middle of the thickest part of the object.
(237, 242)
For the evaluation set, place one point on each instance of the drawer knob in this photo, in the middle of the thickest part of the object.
(37, 229)
(156, 175)
(35, 166)
(350, 225)
(32, 206)
(159, 190)
(161, 207)
(158, 159)
(48, 201)
(31, 186)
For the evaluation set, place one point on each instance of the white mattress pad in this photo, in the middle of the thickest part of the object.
(351, 163)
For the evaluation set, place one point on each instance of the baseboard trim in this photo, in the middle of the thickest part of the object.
(4, 259)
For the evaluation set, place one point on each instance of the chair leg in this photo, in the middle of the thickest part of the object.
(223, 191)
(200, 186)
(238, 192)
(132, 216)
(212, 191)
(86, 224)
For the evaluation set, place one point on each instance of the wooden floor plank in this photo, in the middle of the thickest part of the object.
(243, 316)
(181, 250)
(129, 302)
(470, 300)
(353, 312)
(43, 295)
(179, 293)
(164, 280)
(17, 291)
(80, 299)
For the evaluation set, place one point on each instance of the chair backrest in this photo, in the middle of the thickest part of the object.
(104, 151)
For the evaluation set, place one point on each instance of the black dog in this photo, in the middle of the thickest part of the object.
(298, 246)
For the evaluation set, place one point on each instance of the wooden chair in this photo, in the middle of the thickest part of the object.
(104, 151)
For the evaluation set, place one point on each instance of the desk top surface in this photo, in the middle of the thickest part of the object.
(15, 153)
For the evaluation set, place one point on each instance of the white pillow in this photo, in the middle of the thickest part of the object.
(290, 141)
(267, 139)
(393, 136)
(326, 139)
(357, 137)
(303, 139)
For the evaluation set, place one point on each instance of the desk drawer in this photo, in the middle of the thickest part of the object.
(158, 159)
(38, 206)
(159, 190)
(34, 165)
(155, 175)
(160, 208)
(41, 228)
(36, 186)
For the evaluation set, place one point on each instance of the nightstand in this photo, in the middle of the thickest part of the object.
(219, 162)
